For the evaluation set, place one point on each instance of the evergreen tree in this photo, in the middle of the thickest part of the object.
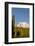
(13, 25)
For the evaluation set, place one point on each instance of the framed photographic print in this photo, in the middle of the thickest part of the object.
(19, 22)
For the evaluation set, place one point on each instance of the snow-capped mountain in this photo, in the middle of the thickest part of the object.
(23, 24)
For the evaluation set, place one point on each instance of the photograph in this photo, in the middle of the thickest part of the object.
(20, 22)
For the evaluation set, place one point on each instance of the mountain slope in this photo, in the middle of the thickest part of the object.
(23, 24)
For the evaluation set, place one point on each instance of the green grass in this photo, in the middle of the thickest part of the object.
(21, 32)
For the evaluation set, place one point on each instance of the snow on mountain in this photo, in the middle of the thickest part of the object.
(23, 24)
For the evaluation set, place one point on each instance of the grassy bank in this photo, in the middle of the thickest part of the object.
(20, 32)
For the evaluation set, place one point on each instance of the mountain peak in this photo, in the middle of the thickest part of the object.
(23, 24)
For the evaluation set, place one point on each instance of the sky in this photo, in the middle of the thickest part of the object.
(21, 14)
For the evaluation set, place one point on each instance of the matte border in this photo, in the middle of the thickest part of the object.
(6, 22)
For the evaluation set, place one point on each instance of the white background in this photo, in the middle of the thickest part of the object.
(2, 12)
